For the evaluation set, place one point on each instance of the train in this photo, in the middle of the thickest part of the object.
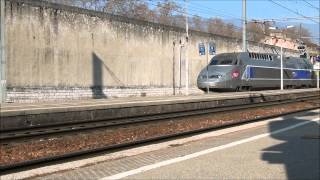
(245, 71)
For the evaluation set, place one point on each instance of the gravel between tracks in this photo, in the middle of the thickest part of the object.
(53, 145)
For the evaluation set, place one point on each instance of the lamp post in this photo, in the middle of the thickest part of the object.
(187, 55)
(3, 84)
(281, 69)
(244, 25)
(281, 57)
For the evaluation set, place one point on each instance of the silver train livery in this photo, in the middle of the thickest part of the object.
(246, 71)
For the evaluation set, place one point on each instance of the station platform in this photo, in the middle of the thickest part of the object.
(21, 116)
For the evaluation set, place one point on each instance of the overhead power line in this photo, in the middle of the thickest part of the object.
(311, 5)
(289, 19)
(293, 11)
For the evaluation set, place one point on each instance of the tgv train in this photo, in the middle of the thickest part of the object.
(246, 71)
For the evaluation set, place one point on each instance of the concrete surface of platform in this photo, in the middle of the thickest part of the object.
(20, 116)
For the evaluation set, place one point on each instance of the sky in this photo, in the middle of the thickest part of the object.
(256, 9)
(259, 9)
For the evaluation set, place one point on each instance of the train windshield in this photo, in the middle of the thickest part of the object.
(224, 59)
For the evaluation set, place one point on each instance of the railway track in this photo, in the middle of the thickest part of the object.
(21, 136)
(29, 132)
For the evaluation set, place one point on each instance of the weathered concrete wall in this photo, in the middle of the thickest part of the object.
(53, 49)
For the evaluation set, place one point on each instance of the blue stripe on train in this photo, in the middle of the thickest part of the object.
(250, 72)
(301, 74)
(296, 74)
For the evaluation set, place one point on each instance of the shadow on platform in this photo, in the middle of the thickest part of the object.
(299, 153)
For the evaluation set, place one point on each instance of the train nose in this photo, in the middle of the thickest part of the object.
(217, 77)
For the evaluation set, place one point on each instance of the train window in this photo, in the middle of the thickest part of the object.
(227, 61)
(224, 59)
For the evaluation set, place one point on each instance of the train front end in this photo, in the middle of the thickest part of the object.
(221, 74)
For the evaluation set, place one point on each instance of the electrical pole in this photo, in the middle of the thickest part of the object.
(281, 68)
(186, 46)
(3, 86)
(244, 26)
(318, 79)
(300, 32)
(207, 53)
(174, 68)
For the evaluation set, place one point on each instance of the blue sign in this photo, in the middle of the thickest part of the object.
(212, 49)
(202, 49)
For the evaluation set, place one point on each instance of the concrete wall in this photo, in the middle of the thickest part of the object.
(66, 52)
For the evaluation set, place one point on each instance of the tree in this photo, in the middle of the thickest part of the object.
(130, 8)
(166, 10)
(255, 32)
(87, 4)
(215, 25)
(179, 21)
(197, 23)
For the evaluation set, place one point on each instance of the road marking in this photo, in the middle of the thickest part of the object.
(204, 152)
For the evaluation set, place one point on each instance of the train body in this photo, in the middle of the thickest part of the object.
(246, 71)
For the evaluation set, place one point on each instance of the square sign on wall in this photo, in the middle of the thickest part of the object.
(202, 49)
(212, 48)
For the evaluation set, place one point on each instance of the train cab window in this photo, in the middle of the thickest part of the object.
(224, 59)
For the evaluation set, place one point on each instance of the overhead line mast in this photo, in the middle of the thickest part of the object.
(3, 83)
(244, 25)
